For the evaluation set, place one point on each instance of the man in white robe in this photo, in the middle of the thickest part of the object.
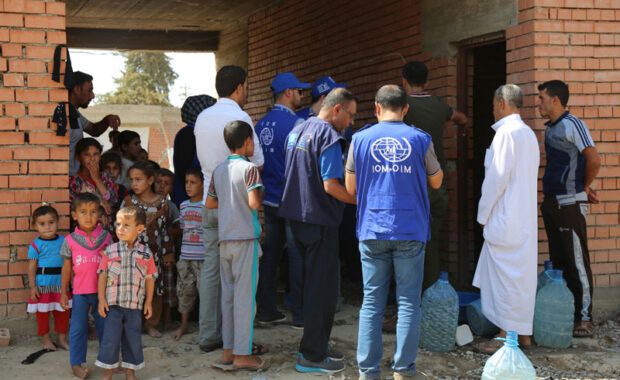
(506, 271)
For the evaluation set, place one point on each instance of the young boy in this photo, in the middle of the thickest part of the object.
(192, 247)
(236, 189)
(163, 185)
(112, 163)
(81, 252)
(126, 277)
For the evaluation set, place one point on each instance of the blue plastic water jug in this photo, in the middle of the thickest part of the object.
(554, 313)
(478, 323)
(543, 277)
(440, 313)
(509, 362)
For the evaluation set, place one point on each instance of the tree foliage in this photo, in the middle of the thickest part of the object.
(147, 79)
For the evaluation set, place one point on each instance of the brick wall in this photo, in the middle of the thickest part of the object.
(33, 161)
(578, 41)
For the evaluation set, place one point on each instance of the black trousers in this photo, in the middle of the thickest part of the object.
(568, 250)
(318, 246)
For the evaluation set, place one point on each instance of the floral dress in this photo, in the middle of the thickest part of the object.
(157, 234)
(79, 184)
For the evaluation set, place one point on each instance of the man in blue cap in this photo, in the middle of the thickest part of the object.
(319, 91)
(272, 130)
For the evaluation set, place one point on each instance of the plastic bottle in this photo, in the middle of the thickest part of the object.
(440, 313)
(554, 313)
(509, 362)
(543, 277)
(478, 323)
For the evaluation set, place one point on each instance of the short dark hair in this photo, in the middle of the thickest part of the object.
(83, 198)
(556, 88)
(165, 173)
(340, 96)
(196, 173)
(79, 78)
(137, 212)
(145, 167)
(415, 73)
(108, 157)
(86, 143)
(228, 78)
(44, 210)
(126, 137)
(236, 133)
(391, 97)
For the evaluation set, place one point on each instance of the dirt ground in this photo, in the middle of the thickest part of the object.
(596, 358)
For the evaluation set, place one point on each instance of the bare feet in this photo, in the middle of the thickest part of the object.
(62, 342)
(525, 341)
(130, 374)
(153, 332)
(180, 331)
(227, 357)
(47, 342)
(82, 373)
(249, 362)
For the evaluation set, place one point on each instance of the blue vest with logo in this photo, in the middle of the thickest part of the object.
(305, 113)
(272, 131)
(391, 181)
(304, 198)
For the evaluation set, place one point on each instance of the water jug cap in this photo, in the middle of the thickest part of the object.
(555, 274)
(548, 264)
(443, 276)
(511, 339)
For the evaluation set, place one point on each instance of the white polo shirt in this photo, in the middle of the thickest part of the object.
(209, 131)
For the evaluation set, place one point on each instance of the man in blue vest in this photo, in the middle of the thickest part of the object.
(313, 202)
(320, 88)
(388, 167)
(272, 131)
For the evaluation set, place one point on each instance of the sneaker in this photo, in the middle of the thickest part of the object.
(328, 365)
(334, 355)
(417, 376)
(276, 318)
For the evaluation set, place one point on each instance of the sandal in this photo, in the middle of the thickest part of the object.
(262, 365)
(489, 346)
(583, 329)
(259, 349)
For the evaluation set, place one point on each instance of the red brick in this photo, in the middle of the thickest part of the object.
(16, 310)
(27, 95)
(24, 6)
(11, 138)
(33, 181)
(45, 22)
(11, 282)
(48, 167)
(7, 95)
(55, 195)
(59, 180)
(57, 8)
(11, 50)
(48, 138)
(26, 66)
(28, 196)
(9, 168)
(41, 109)
(19, 296)
(4, 34)
(7, 123)
(13, 80)
(33, 123)
(32, 153)
(7, 196)
(33, 36)
(6, 153)
(10, 19)
(14, 109)
(58, 95)
(7, 225)
(44, 80)
(17, 209)
(44, 52)
(56, 37)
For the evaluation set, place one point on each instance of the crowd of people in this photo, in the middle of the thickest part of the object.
(145, 241)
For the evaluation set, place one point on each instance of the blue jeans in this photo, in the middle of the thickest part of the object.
(123, 335)
(83, 304)
(381, 258)
(278, 236)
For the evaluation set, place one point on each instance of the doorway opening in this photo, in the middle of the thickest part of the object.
(481, 70)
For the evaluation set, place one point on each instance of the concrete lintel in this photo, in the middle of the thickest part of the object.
(127, 39)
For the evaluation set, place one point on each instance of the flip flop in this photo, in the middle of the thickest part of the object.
(259, 349)
(35, 355)
(489, 347)
(583, 329)
(260, 367)
(223, 367)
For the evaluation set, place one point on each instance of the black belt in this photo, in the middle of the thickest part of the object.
(49, 270)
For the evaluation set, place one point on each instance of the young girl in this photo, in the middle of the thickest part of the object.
(44, 278)
(112, 164)
(90, 179)
(81, 251)
(158, 230)
(129, 146)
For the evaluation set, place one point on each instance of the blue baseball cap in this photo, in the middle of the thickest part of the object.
(325, 84)
(284, 81)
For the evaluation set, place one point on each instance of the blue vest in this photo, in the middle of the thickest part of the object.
(304, 198)
(272, 130)
(305, 113)
(391, 181)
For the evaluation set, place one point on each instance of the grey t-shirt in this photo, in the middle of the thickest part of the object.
(231, 182)
(430, 161)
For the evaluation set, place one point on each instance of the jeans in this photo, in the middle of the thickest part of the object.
(83, 304)
(210, 287)
(381, 258)
(123, 335)
(318, 245)
(277, 237)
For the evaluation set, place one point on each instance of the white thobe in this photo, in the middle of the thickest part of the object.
(506, 271)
